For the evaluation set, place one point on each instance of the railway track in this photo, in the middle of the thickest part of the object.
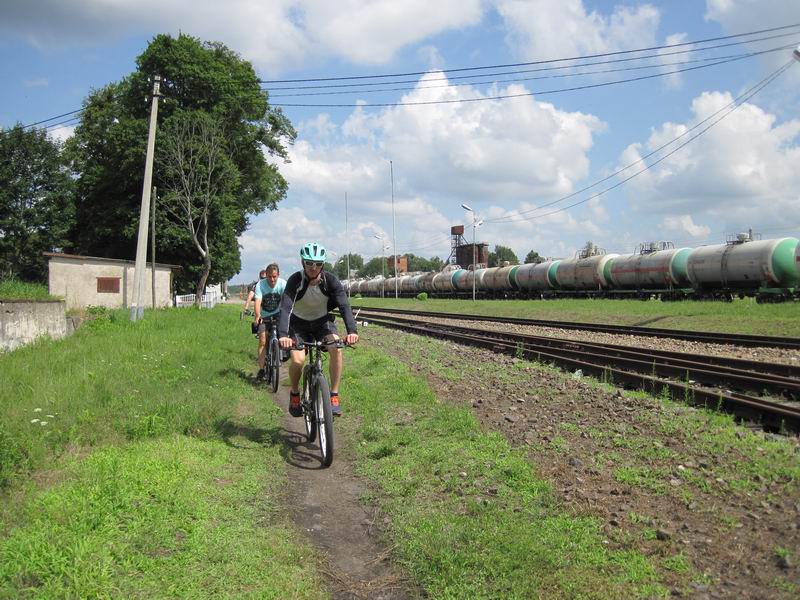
(734, 339)
(735, 385)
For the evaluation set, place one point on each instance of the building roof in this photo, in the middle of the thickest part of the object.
(118, 261)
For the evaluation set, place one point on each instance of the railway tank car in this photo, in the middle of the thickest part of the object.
(769, 267)
(535, 278)
(656, 267)
(498, 280)
(586, 272)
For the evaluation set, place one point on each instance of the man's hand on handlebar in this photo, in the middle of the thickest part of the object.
(351, 338)
(286, 343)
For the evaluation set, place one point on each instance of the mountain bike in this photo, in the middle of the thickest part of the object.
(316, 399)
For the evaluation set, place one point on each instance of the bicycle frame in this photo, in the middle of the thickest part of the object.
(316, 401)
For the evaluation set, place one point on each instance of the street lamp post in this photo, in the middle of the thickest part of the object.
(394, 239)
(475, 224)
(384, 247)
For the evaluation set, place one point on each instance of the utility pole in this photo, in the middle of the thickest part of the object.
(347, 237)
(394, 239)
(153, 246)
(137, 308)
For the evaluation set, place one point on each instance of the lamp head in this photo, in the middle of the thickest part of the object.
(465, 207)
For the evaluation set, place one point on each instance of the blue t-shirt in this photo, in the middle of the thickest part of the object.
(270, 297)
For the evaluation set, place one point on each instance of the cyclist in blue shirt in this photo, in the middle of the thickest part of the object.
(268, 294)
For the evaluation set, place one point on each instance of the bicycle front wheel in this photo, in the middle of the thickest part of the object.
(309, 416)
(322, 410)
(274, 363)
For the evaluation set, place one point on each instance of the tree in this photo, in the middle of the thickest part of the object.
(340, 268)
(108, 147)
(36, 202)
(199, 178)
(502, 254)
(417, 263)
(373, 267)
(533, 257)
(588, 249)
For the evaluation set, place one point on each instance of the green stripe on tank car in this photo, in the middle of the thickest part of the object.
(783, 263)
(680, 267)
(607, 271)
(512, 277)
(551, 274)
(456, 274)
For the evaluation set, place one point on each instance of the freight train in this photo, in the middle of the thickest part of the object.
(769, 270)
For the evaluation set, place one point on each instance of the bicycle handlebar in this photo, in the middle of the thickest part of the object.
(336, 343)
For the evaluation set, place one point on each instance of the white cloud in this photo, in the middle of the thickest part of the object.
(492, 155)
(38, 82)
(274, 34)
(62, 133)
(542, 29)
(740, 172)
(685, 224)
(737, 16)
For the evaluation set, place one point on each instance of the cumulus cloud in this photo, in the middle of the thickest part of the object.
(492, 155)
(542, 29)
(737, 16)
(741, 171)
(274, 34)
(685, 224)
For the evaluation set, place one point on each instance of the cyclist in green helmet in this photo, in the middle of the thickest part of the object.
(309, 297)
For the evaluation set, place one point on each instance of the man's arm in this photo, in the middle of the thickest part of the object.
(287, 300)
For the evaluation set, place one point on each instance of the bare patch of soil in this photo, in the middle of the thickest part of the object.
(711, 539)
(325, 504)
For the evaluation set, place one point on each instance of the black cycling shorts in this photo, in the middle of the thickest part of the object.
(301, 330)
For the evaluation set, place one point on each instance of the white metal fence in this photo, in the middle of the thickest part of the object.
(207, 300)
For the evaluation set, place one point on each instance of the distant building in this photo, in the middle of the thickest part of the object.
(466, 255)
(402, 265)
(92, 281)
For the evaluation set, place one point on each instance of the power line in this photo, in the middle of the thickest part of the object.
(538, 62)
(536, 70)
(761, 86)
(720, 59)
(509, 96)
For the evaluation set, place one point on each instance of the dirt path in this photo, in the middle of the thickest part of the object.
(329, 510)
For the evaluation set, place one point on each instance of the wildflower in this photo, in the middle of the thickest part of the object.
(51, 416)
(37, 410)
(34, 420)
(42, 423)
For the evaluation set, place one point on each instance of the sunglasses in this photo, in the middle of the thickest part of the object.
(311, 263)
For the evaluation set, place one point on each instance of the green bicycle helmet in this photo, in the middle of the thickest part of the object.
(313, 251)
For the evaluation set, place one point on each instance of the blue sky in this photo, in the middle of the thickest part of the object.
(505, 158)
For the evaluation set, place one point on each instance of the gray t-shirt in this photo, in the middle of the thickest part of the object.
(312, 306)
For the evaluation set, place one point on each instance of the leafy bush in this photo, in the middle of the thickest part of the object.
(422, 296)
(13, 289)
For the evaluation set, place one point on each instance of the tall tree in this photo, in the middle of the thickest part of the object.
(374, 266)
(36, 202)
(108, 151)
(533, 257)
(502, 254)
(199, 177)
(340, 268)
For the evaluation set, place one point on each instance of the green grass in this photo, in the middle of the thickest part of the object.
(469, 518)
(13, 289)
(739, 316)
(138, 461)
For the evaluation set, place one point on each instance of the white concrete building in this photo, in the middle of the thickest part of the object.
(91, 281)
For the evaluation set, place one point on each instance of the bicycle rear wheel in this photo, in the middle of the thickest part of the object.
(274, 365)
(309, 417)
(322, 409)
